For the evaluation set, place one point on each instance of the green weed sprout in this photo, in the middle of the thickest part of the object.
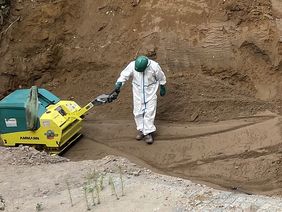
(93, 177)
(97, 190)
(121, 180)
(68, 187)
(85, 196)
(38, 207)
(91, 190)
(101, 182)
(111, 182)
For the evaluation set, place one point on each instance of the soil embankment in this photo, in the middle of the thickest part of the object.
(222, 58)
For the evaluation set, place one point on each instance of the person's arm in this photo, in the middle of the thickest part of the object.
(161, 78)
(124, 76)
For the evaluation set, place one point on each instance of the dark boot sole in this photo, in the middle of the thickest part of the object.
(139, 138)
(149, 142)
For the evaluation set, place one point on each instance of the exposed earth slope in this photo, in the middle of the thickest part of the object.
(222, 58)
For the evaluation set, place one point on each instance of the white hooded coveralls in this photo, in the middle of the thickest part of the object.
(144, 86)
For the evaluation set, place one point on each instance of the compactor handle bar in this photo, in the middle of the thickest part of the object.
(100, 100)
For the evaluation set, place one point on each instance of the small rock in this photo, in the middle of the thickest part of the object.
(2, 206)
(19, 7)
(45, 192)
(137, 173)
(135, 3)
(102, 27)
(195, 116)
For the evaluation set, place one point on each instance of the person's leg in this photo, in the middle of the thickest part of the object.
(138, 113)
(139, 122)
(149, 117)
(139, 126)
(149, 120)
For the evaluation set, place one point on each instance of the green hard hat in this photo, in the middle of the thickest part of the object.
(141, 63)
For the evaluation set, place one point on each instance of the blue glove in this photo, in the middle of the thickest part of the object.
(162, 90)
(118, 86)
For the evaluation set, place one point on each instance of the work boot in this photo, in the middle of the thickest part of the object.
(139, 136)
(149, 139)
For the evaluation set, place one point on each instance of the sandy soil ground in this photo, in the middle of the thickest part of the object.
(242, 154)
(68, 186)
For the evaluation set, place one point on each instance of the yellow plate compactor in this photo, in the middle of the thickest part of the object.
(38, 118)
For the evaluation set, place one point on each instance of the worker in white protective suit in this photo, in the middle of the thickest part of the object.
(147, 76)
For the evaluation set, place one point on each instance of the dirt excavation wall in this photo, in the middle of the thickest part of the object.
(222, 58)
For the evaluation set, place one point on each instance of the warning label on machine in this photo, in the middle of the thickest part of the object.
(29, 138)
(11, 122)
